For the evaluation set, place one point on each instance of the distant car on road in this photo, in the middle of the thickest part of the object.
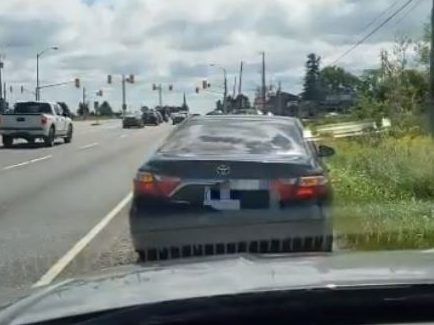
(178, 117)
(246, 111)
(215, 112)
(132, 120)
(160, 117)
(150, 116)
(33, 120)
(232, 184)
(164, 115)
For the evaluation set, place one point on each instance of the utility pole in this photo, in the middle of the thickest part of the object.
(279, 97)
(263, 90)
(1, 68)
(4, 91)
(37, 78)
(240, 84)
(84, 101)
(431, 101)
(160, 95)
(124, 103)
(225, 92)
(234, 91)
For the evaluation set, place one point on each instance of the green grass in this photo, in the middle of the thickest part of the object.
(384, 192)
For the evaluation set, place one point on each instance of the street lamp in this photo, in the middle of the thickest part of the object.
(38, 55)
(225, 83)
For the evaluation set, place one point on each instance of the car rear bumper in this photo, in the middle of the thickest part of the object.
(131, 123)
(183, 234)
(24, 132)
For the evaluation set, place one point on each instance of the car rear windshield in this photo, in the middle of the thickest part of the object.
(236, 136)
(32, 108)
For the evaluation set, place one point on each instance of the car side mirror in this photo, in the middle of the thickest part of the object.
(325, 151)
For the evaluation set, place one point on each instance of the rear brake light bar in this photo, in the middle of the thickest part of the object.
(155, 185)
(301, 189)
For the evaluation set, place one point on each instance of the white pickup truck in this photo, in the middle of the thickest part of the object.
(33, 120)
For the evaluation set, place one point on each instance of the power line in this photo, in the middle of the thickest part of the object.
(405, 5)
(373, 21)
(416, 4)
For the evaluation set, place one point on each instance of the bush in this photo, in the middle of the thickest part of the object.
(385, 185)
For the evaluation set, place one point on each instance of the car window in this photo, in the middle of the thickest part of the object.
(58, 109)
(32, 108)
(229, 136)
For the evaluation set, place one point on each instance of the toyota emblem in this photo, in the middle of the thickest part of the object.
(223, 170)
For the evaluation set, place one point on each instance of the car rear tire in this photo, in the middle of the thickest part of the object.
(8, 141)
(141, 256)
(68, 137)
(328, 245)
(49, 139)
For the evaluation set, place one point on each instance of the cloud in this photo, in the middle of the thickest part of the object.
(174, 41)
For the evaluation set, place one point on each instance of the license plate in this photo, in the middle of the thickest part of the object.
(246, 184)
(225, 203)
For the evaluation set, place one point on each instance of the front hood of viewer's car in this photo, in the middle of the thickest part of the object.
(205, 277)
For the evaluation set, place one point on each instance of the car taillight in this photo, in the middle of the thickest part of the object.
(301, 189)
(286, 188)
(155, 185)
(44, 120)
(312, 187)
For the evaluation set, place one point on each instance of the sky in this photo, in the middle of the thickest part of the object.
(174, 42)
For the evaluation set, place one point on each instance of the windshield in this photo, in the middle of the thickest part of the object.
(230, 136)
(179, 137)
(32, 108)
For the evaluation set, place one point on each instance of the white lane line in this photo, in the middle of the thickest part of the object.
(40, 159)
(88, 146)
(64, 261)
(28, 162)
(123, 135)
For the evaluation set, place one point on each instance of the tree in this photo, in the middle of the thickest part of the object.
(393, 90)
(334, 80)
(83, 110)
(105, 109)
(311, 87)
(423, 46)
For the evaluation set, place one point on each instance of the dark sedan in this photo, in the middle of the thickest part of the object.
(232, 184)
(178, 118)
(151, 117)
(132, 120)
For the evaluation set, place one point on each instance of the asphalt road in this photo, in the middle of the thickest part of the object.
(51, 197)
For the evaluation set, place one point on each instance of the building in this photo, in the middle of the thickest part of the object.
(279, 103)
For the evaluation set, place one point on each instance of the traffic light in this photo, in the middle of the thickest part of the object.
(22, 89)
(204, 84)
(11, 89)
(99, 93)
(170, 87)
(77, 82)
(154, 87)
(197, 90)
(109, 79)
(131, 79)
